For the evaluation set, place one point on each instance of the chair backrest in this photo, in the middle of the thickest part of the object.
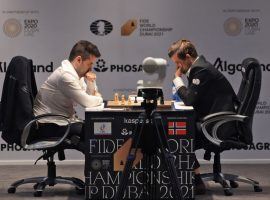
(1, 124)
(248, 95)
(19, 91)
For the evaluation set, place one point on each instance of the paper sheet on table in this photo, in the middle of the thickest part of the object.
(101, 108)
(132, 98)
(182, 106)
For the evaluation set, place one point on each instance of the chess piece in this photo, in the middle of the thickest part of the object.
(123, 100)
(129, 101)
(162, 100)
(135, 101)
(116, 98)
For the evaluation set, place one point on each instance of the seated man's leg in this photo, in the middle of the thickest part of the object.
(76, 135)
(199, 184)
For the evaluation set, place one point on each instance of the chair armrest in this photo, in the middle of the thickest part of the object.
(219, 119)
(43, 144)
(217, 114)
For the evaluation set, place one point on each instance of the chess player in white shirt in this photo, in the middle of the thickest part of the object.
(70, 84)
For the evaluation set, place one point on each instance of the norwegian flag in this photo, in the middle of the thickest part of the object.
(177, 128)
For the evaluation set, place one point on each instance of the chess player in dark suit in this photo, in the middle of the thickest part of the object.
(208, 91)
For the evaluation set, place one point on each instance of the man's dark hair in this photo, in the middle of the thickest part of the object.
(83, 48)
(182, 47)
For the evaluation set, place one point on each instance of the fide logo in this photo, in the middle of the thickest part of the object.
(128, 27)
(101, 27)
(101, 66)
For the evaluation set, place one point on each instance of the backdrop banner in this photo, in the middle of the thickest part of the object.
(127, 31)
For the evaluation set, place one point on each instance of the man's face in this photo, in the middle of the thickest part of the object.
(184, 65)
(86, 65)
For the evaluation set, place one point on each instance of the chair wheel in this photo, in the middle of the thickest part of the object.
(11, 190)
(80, 190)
(37, 193)
(234, 184)
(228, 192)
(257, 189)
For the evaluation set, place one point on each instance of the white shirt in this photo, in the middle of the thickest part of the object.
(178, 81)
(61, 91)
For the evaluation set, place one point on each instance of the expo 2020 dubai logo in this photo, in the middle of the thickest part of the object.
(12, 28)
(233, 26)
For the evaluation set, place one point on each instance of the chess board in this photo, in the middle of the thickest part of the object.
(167, 104)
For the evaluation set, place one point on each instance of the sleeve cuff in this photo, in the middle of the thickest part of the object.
(178, 82)
(91, 87)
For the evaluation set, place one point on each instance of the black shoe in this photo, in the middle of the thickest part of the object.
(199, 185)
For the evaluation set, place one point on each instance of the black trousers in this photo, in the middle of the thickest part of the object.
(200, 140)
(228, 131)
(50, 130)
(53, 130)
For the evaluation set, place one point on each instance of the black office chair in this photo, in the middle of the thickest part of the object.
(20, 126)
(248, 96)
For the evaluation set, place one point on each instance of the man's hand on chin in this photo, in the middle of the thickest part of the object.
(97, 94)
(178, 72)
(90, 76)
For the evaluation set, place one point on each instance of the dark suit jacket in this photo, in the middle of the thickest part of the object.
(209, 92)
(19, 90)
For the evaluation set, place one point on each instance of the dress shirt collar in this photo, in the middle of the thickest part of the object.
(191, 66)
(68, 67)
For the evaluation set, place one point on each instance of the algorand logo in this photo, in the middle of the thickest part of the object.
(232, 68)
(12, 27)
(101, 27)
(101, 66)
(37, 68)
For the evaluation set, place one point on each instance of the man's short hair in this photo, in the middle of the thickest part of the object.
(182, 47)
(84, 49)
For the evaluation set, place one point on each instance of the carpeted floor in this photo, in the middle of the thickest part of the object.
(260, 173)
(12, 173)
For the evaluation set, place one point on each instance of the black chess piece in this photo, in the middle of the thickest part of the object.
(135, 101)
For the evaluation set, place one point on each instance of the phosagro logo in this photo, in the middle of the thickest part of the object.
(12, 147)
(102, 67)
(101, 27)
(258, 146)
